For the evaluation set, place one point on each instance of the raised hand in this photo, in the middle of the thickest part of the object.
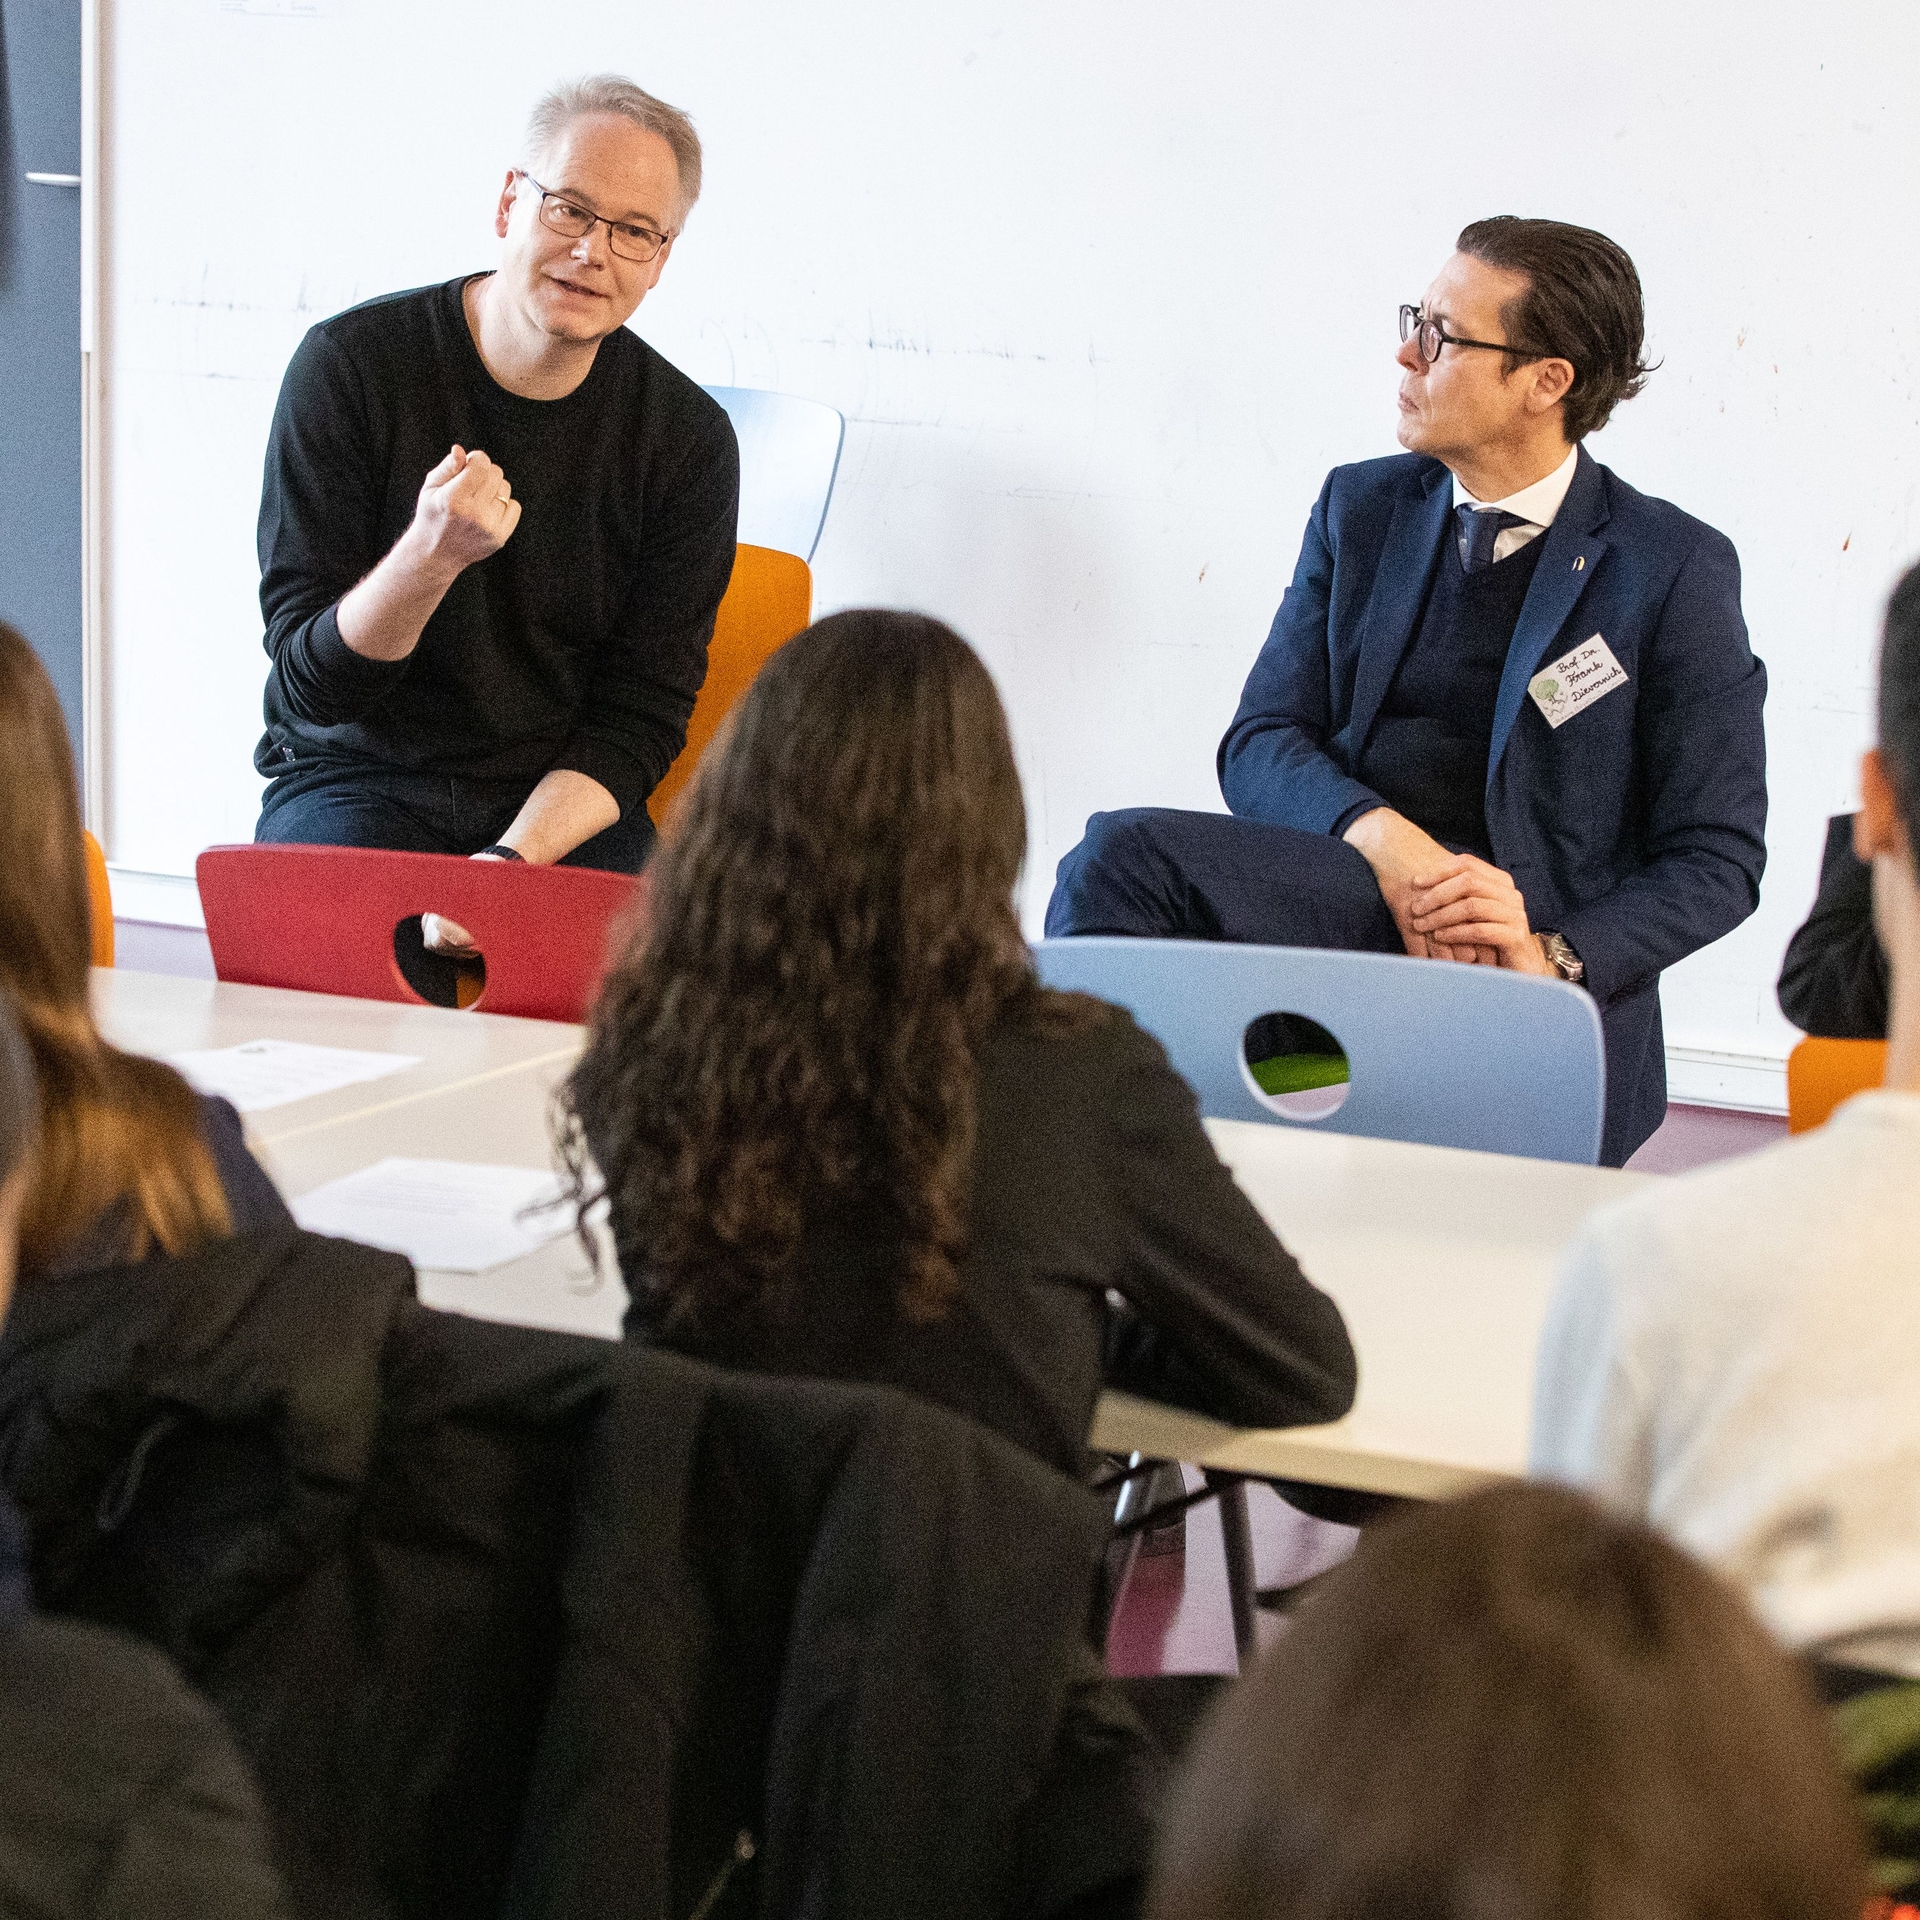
(465, 512)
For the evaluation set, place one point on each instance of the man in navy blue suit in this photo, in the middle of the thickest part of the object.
(1507, 714)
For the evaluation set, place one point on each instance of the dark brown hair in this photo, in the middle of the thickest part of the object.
(115, 1129)
(829, 932)
(1582, 304)
(1514, 1705)
(1900, 703)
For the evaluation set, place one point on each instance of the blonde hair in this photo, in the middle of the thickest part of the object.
(612, 93)
(115, 1129)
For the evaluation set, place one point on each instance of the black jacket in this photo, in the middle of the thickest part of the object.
(353, 1521)
(833, 1635)
(1833, 981)
(341, 1513)
(121, 1797)
(1092, 1172)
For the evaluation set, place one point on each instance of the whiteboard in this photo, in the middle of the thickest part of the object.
(1103, 290)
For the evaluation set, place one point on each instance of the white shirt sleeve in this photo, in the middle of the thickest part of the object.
(1591, 1418)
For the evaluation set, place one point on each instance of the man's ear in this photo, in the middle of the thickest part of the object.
(1877, 827)
(1552, 382)
(504, 211)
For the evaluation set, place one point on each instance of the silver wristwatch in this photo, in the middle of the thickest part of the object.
(1566, 963)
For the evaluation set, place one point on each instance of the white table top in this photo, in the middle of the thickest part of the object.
(1442, 1261)
(160, 1014)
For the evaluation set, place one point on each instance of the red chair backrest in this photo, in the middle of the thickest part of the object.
(322, 919)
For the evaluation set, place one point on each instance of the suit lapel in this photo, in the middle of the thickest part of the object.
(1413, 542)
(1570, 553)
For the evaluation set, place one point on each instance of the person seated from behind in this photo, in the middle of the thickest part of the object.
(1731, 1353)
(844, 1132)
(1833, 981)
(448, 676)
(131, 1161)
(121, 1796)
(1514, 1705)
(1507, 714)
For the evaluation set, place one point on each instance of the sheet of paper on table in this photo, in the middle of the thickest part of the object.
(259, 1074)
(446, 1215)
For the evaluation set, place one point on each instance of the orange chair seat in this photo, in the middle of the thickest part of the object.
(768, 600)
(1822, 1073)
(99, 902)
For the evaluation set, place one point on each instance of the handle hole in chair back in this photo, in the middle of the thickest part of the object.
(328, 919)
(1823, 1073)
(1295, 1066)
(1448, 1055)
(440, 979)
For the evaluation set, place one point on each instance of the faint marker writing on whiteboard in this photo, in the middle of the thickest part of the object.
(286, 9)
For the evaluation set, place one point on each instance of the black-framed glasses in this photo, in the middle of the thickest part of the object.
(627, 238)
(1431, 336)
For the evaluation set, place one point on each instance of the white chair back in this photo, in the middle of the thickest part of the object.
(789, 454)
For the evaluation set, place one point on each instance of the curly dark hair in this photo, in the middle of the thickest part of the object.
(829, 931)
(1582, 305)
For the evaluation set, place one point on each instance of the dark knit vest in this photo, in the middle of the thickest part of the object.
(1426, 755)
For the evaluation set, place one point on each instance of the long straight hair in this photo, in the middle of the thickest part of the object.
(116, 1130)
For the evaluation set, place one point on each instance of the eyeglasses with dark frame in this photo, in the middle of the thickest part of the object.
(627, 238)
(1431, 336)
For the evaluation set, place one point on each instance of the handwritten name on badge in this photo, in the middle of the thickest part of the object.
(1576, 680)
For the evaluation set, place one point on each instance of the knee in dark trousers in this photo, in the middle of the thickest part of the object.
(1122, 879)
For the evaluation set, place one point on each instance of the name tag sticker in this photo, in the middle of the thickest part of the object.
(1576, 680)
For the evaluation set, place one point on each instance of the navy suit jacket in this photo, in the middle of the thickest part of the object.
(1637, 827)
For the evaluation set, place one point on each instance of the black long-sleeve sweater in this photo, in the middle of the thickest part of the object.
(581, 643)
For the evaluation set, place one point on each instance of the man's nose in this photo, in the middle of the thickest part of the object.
(1409, 356)
(588, 248)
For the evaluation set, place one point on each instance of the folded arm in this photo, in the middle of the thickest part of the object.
(1274, 762)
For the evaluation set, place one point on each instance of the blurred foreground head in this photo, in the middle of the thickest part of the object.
(1515, 1707)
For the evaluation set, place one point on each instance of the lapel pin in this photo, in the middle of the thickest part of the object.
(1580, 563)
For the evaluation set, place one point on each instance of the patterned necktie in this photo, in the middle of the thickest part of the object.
(1480, 527)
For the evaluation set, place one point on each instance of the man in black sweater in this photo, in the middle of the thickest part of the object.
(496, 526)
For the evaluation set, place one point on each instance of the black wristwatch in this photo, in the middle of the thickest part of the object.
(504, 853)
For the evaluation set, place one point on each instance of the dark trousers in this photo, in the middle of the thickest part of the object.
(409, 812)
(1158, 874)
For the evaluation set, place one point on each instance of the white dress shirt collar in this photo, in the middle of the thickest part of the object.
(1536, 504)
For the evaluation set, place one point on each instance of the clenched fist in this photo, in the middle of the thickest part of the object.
(466, 510)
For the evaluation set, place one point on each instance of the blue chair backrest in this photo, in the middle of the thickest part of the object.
(789, 454)
(1454, 1056)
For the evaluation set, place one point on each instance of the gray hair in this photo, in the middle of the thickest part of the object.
(612, 93)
